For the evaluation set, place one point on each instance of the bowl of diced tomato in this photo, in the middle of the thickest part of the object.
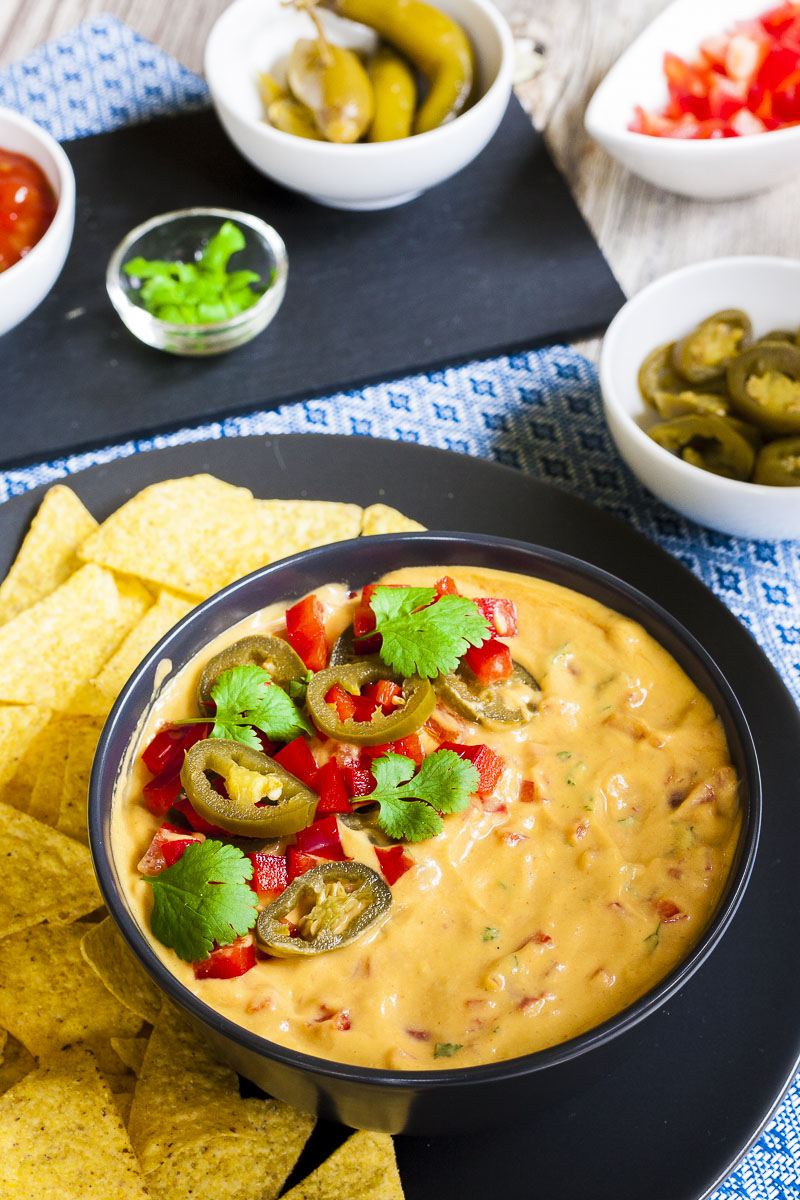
(706, 101)
(37, 213)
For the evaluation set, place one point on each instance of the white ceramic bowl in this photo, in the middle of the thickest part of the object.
(707, 170)
(253, 36)
(768, 289)
(24, 285)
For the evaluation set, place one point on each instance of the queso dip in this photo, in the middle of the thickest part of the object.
(543, 907)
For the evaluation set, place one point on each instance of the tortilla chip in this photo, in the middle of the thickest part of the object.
(48, 784)
(189, 534)
(48, 555)
(289, 526)
(72, 812)
(380, 518)
(130, 1050)
(19, 726)
(51, 649)
(18, 789)
(285, 1130)
(15, 1065)
(50, 997)
(62, 1138)
(363, 1168)
(123, 1101)
(183, 1094)
(45, 875)
(101, 692)
(3, 1040)
(104, 949)
(225, 1166)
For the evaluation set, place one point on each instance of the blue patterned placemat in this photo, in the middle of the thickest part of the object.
(539, 412)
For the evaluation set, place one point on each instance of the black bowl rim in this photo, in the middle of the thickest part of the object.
(548, 563)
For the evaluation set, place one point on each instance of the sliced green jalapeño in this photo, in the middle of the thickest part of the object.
(330, 906)
(259, 650)
(263, 799)
(418, 702)
(509, 702)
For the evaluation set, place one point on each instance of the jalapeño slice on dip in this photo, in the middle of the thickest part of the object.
(468, 817)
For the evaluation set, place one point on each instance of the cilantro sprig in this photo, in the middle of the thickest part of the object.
(411, 804)
(203, 899)
(423, 638)
(247, 701)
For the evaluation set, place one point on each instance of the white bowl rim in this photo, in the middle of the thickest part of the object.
(65, 191)
(676, 147)
(500, 83)
(732, 487)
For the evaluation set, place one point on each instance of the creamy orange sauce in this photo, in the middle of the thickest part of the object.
(543, 909)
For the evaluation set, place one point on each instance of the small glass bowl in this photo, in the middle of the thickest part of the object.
(180, 237)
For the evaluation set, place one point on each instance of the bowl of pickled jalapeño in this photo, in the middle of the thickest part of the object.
(360, 104)
(700, 375)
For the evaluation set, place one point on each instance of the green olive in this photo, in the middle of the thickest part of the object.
(333, 83)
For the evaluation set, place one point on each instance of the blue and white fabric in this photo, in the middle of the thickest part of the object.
(538, 411)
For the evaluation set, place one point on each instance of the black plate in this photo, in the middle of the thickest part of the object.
(670, 1125)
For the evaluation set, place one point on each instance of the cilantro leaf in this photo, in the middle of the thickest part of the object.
(410, 803)
(202, 899)
(244, 698)
(423, 638)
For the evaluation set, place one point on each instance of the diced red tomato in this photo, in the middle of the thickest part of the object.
(297, 759)
(269, 873)
(342, 701)
(358, 779)
(384, 693)
(500, 613)
(528, 792)
(490, 661)
(446, 586)
(226, 962)
(489, 765)
(297, 863)
(305, 632)
(196, 821)
(393, 862)
(330, 787)
(168, 845)
(322, 839)
(410, 746)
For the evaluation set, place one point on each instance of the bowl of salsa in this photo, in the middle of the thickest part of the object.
(37, 212)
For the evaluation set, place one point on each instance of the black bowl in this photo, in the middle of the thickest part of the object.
(437, 1101)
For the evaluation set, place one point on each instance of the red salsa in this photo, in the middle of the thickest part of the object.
(27, 206)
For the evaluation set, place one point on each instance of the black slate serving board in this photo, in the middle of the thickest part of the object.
(496, 258)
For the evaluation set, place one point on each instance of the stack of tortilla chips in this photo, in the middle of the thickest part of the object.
(105, 1089)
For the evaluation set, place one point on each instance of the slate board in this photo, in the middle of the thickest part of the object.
(495, 259)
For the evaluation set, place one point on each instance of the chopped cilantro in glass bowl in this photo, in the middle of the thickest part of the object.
(198, 281)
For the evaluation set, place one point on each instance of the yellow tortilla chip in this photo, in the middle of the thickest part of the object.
(183, 1093)
(289, 526)
(123, 1101)
(3, 1040)
(72, 812)
(49, 995)
(225, 1166)
(51, 649)
(18, 789)
(45, 875)
(285, 1130)
(48, 783)
(19, 726)
(62, 1138)
(48, 555)
(363, 1168)
(104, 949)
(188, 534)
(15, 1064)
(130, 1050)
(380, 518)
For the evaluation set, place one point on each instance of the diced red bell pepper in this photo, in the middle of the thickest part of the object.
(297, 863)
(305, 632)
(489, 765)
(384, 693)
(687, 85)
(168, 845)
(227, 962)
(500, 613)
(342, 701)
(780, 20)
(169, 745)
(491, 661)
(364, 709)
(779, 64)
(270, 874)
(297, 759)
(331, 789)
(446, 586)
(161, 793)
(410, 746)
(393, 862)
(358, 779)
(197, 821)
(322, 838)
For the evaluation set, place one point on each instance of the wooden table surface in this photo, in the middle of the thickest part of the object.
(644, 232)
